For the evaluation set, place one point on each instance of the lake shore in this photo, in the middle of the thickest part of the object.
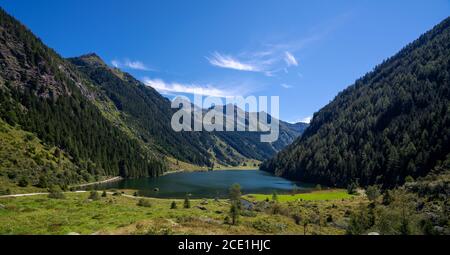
(238, 168)
(109, 180)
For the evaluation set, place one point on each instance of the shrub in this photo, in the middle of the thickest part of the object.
(387, 198)
(275, 196)
(352, 188)
(94, 195)
(42, 182)
(330, 218)
(409, 178)
(144, 203)
(55, 192)
(104, 194)
(5, 192)
(373, 192)
(248, 213)
(173, 205)
(234, 213)
(23, 182)
(187, 203)
(278, 208)
(297, 218)
(266, 226)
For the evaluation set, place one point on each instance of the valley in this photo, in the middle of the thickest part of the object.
(88, 149)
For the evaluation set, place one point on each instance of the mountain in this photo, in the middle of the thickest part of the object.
(43, 94)
(392, 123)
(65, 121)
(149, 115)
(144, 111)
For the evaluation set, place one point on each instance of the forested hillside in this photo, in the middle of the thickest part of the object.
(392, 123)
(145, 111)
(42, 93)
(149, 114)
(104, 121)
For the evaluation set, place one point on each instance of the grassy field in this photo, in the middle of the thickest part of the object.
(177, 166)
(121, 215)
(333, 194)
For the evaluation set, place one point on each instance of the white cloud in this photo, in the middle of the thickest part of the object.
(286, 86)
(129, 64)
(268, 60)
(136, 65)
(306, 120)
(116, 63)
(290, 59)
(229, 62)
(206, 90)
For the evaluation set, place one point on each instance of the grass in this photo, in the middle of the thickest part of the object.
(123, 215)
(334, 194)
(178, 165)
(24, 156)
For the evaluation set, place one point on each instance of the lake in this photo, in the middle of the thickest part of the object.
(208, 184)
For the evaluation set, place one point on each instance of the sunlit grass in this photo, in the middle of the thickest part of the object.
(334, 194)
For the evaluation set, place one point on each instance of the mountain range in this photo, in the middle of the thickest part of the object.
(65, 121)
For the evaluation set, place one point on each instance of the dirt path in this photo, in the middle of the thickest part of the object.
(68, 192)
(114, 179)
(37, 194)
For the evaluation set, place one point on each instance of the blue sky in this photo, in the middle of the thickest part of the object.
(303, 51)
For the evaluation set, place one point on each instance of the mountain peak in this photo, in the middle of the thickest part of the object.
(92, 59)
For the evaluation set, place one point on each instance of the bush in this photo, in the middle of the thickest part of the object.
(267, 226)
(359, 221)
(187, 203)
(387, 198)
(275, 196)
(373, 192)
(409, 178)
(330, 218)
(5, 192)
(42, 183)
(173, 205)
(94, 195)
(278, 208)
(55, 192)
(248, 213)
(297, 218)
(352, 188)
(144, 203)
(104, 194)
(23, 182)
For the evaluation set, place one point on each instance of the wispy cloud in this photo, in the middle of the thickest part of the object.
(286, 86)
(225, 61)
(206, 90)
(269, 60)
(130, 64)
(290, 59)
